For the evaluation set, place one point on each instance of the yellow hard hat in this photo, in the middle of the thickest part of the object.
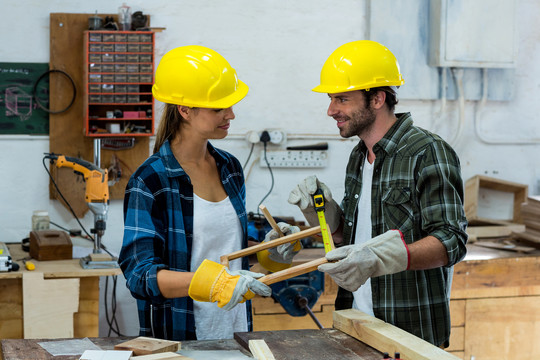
(197, 76)
(359, 65)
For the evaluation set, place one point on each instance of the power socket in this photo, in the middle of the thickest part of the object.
(295, 159)
(277, 136)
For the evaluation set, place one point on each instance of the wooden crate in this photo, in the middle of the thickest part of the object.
(472, 191)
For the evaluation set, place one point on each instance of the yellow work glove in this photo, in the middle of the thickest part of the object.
(214, 282)
(383, 255)
(280, 257)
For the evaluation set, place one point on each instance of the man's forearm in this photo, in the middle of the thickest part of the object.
(427, 253)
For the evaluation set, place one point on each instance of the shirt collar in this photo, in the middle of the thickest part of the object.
(390, 140)
(174, 169)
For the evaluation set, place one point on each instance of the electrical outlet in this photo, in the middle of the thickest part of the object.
(252, 137)
(295, 158)
(276, 136)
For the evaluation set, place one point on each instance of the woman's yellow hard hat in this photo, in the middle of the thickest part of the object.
(197, 76)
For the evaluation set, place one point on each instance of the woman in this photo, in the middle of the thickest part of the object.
(185, 207)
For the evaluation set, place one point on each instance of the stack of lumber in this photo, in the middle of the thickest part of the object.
(530, 213)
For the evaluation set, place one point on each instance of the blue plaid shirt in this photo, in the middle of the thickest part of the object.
(158, 233)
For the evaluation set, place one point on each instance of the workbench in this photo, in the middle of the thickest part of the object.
(495, 305)
(86, 316)
(327, 344)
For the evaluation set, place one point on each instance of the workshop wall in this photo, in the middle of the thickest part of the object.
(278, 49)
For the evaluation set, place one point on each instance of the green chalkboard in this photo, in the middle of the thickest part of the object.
(19, 112)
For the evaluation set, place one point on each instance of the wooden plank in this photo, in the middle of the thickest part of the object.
(47, 302)
(11, 319)
(495, 230)
(386, 337)
(457, 339)
(144, 345)
(322, 344)
(162, 356)
(292, 272)
(457, 312)
(260, 350)
(271, 220)
(86, 319)
(500, 277)
(271, 244)
(502, 328)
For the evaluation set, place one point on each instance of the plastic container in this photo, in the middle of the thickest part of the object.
(124, 17)
(40, 220)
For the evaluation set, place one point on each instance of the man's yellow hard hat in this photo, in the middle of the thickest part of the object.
(197, 76)
(359, 65)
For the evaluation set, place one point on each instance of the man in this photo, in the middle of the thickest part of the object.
(401, 224)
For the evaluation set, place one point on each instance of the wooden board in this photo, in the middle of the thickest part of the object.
(260, 350)
(386, 337)
(22, 349)
(513, 276)
(145, 345)
(323, 344)
(47, 302)
(66, 129)
(508, 326)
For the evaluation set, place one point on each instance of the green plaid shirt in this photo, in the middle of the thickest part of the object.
(417, 188)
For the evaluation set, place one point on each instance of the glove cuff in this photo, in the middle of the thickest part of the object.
(406, 248)
(263, 257)
(204, 280)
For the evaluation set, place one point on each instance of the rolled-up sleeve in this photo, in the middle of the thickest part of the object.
(143, 247)
(441, 199)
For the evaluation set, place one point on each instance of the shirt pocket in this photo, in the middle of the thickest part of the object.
(397, 209)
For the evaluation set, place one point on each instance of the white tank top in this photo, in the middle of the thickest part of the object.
(216, 231)
(363, 296)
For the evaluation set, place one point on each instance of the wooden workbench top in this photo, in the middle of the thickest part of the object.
(54, 268)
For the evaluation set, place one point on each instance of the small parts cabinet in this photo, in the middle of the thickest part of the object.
(119, 70)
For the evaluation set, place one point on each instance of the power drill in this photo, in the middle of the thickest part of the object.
(96, 193)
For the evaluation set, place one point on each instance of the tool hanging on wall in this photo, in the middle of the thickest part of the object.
(318, 203)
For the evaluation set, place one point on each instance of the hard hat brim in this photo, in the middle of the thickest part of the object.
(223, 103)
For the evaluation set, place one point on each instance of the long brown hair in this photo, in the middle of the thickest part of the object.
(169, 125)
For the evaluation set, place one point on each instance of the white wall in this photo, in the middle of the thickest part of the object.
(277, 48)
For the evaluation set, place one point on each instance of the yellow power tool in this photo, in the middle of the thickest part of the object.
(97, 199)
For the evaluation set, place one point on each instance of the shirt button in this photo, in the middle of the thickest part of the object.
(350, 223)
(356, 196)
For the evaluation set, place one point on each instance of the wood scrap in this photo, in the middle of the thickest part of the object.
(386, 337)
(47, 302)
(271, 220)
(260, 350)
(505, 244)
(146, 345)
(162, 356)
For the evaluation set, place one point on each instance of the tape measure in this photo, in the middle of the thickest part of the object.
(318, 202)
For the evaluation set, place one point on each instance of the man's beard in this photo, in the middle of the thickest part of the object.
(360, 122)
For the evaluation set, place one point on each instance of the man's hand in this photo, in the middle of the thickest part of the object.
(351, 266)
(302, 196)
(214, 282)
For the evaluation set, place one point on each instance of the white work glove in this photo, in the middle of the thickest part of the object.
(283, 253)
(302, 196)
(383, 255)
